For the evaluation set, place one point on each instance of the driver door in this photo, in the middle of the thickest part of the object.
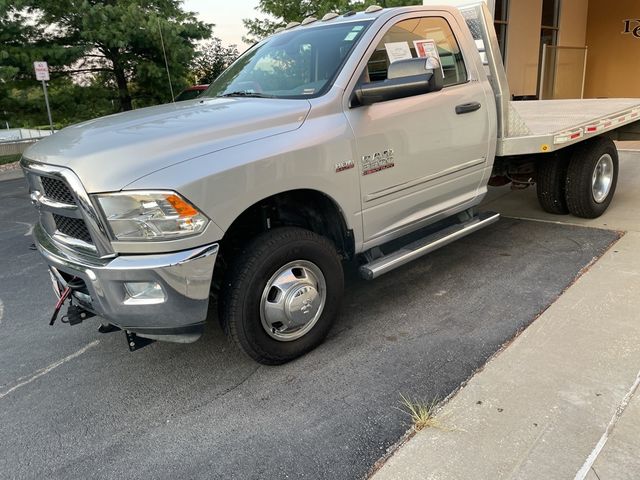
(419, 156)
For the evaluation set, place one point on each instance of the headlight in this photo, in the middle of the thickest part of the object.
(151, 215)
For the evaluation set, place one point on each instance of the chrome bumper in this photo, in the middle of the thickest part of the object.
(185, 278)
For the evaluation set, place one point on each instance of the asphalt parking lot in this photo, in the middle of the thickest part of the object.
(76, 404)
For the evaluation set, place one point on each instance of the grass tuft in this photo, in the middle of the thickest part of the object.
(9, 158)
(422, 413)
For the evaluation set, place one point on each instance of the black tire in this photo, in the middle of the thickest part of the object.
(584, 161)
(240, 300)
(551, 179)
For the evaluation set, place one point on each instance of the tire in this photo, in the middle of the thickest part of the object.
(592, 177)
(295, 263)
(551, 179)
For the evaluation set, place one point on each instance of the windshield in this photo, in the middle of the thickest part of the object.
(297, 64)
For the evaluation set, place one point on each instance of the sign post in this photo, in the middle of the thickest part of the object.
(42, 74)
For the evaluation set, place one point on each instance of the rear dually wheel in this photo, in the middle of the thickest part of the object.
(551, 179)
(592, 176)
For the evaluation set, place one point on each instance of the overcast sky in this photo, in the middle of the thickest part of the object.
(227, 16)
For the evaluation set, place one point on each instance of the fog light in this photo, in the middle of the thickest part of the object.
(143, 293)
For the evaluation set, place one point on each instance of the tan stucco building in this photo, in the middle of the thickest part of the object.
(593, 47)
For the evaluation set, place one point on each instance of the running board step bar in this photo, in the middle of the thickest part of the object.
(426, 245)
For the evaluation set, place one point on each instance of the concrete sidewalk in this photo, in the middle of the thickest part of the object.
(562, 401)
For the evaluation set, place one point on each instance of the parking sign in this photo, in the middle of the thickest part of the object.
(42, 70)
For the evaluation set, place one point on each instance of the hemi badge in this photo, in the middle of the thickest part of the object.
(342, 166)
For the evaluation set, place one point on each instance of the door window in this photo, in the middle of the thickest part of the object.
(418, 37)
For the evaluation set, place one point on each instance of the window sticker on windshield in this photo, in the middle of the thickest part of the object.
(350, 36)
(357, 28)
(309, 91)
(398, 51)
(429, 50)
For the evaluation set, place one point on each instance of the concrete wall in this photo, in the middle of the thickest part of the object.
(613, 66)
(15, 148)
(15, 134)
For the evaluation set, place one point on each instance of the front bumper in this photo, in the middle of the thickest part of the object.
(185, 278)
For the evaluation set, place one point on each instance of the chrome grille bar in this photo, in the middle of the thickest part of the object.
(58, 192)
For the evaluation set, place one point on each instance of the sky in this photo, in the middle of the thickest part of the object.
(227, 16)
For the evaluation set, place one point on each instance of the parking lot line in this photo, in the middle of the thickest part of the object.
(49, 368)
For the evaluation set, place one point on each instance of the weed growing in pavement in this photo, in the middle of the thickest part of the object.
(422, 413)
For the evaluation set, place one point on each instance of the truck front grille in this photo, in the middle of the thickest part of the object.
(72, 227)
(67, 214)
(56, 190)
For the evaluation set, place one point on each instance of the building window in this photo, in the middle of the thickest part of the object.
(548, 31)
(500, 22)
(550, 22)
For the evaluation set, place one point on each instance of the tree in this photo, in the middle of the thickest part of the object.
(282, 12)
(21, 43)
(211, 60)
(285, 11)
(123, 39)
(70, 103)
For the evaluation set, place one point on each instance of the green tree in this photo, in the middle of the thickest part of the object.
(281, 12)
(21, 43)
(285, 11)
(211, 59)
(122, 39)
(70, 103)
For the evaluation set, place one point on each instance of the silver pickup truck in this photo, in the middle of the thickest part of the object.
(368, 136)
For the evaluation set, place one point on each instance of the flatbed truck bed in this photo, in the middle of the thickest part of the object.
(548, 125)
(542, 126)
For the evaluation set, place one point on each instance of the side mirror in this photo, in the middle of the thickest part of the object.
(405, 78)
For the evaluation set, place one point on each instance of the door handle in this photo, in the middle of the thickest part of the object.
(468, 107)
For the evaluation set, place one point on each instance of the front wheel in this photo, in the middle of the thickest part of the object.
(592, 177)
(282, 294)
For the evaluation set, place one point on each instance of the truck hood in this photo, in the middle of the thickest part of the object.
(110, 152)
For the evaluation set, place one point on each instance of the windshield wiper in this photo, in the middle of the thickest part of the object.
(245, 93)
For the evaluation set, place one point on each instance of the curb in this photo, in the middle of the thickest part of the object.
(10, 171)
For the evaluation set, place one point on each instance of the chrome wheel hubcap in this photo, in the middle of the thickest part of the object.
(602, 178)
(293, 300)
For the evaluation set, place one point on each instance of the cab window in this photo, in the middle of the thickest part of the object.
(427, 37)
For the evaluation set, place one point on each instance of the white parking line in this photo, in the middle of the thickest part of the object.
(1, 310)
(28, 225)
(593, 456)
(53, 366)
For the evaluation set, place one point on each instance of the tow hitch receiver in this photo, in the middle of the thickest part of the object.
(76, 315)
(135, 342)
